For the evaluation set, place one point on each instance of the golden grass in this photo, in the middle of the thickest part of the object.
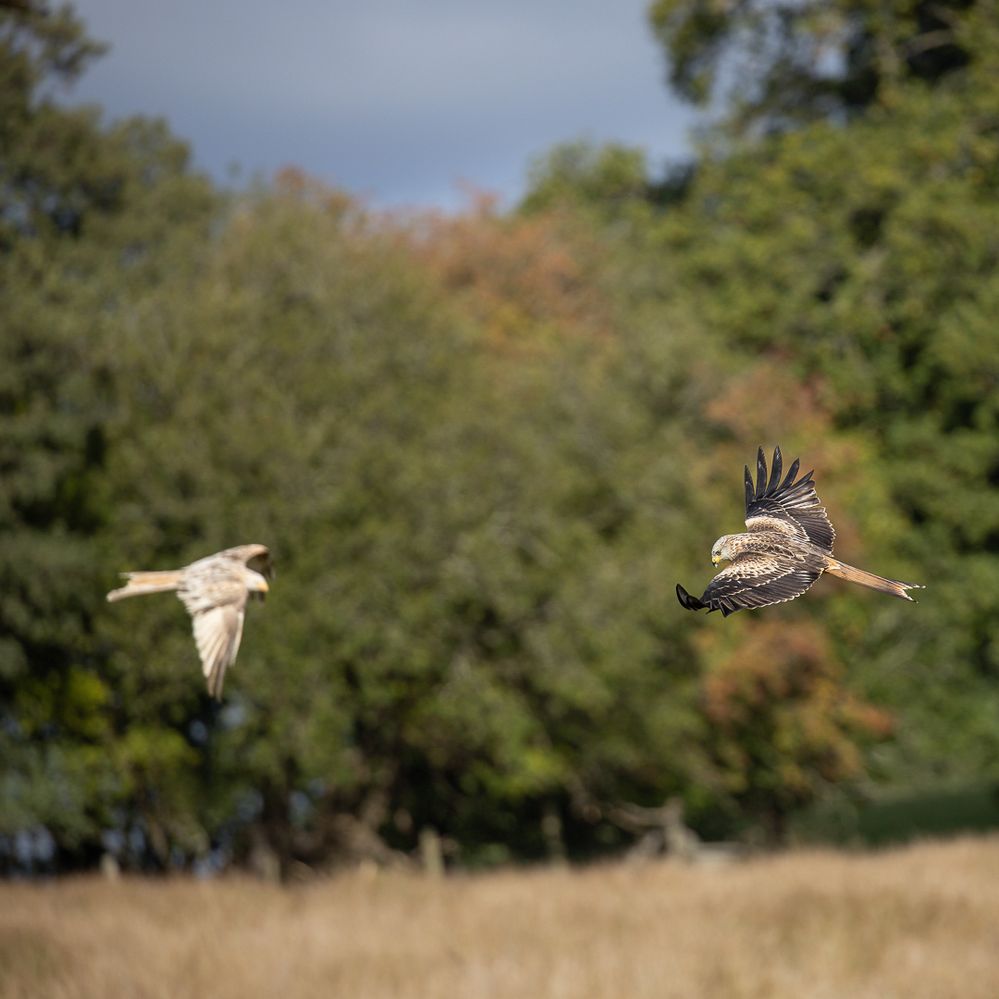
(916, 922)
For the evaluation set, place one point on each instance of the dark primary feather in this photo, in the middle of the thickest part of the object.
(795, 506)
(775, 470)
(761, 473)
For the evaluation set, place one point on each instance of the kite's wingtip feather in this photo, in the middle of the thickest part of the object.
(776, 467)
(791, 473)
(761, 474)
(686, 600)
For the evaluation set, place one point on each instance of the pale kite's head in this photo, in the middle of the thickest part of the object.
(255, 583)
(721, 549)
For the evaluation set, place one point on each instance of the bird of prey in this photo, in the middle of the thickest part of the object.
(788, 546)
(214, 590)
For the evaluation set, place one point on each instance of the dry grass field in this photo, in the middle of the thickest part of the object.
(915, 922)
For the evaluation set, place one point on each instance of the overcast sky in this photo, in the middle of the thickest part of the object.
(396, 100)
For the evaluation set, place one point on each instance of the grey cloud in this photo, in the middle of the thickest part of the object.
(395, 99)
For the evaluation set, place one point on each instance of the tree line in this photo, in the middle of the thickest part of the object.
(483, 450)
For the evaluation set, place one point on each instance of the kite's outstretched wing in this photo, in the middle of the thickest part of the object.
(217, 633)
(754, 580)
(788, 506)
(214, 591)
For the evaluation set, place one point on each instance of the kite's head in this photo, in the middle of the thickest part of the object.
(720, 550)
(256, 584)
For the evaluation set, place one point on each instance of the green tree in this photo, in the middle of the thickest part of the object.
(80, 206)
(862, 257)
(464, 631)
(782, 62)
(783, 728)
(846, 267)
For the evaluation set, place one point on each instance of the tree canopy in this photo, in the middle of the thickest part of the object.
(786, 62)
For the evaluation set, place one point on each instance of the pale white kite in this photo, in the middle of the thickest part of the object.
(214, 590)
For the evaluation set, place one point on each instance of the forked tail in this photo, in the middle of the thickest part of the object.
(140, 583)
(893, 586)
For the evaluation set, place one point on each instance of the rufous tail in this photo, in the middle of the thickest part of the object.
(140, 583)
(893, 586)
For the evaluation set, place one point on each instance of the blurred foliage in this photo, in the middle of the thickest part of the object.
(779, 63)
(483, 449)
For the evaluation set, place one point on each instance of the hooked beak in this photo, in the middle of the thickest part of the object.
(264, 588)
(715, 559)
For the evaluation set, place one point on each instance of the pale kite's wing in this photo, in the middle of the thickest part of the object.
(787, 506)
(217, 633)
(214, 592)
(754, 580)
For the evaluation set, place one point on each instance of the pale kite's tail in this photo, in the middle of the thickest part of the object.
(893, 586)
(141, 583)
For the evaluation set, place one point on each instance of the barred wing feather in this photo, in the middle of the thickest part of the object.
(753, 580)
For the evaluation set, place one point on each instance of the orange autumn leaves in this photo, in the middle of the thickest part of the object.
(528, 280)
(779, 710)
